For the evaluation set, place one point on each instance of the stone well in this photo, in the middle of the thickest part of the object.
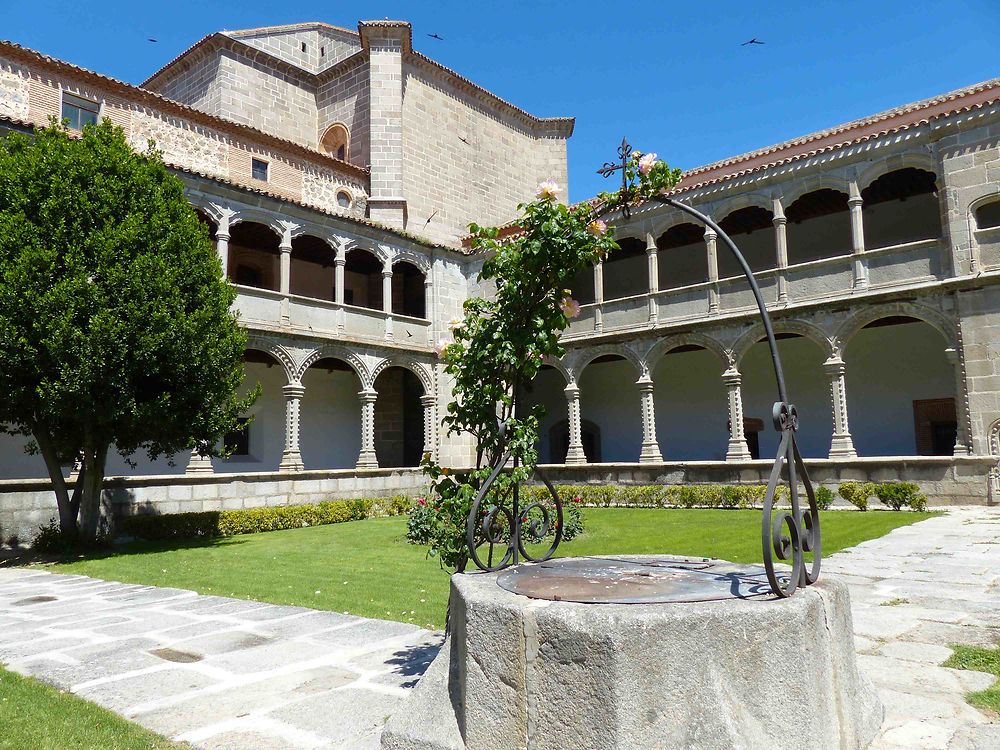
(738, 669)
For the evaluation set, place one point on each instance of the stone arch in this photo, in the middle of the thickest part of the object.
(937, 320)
(418, 369)
(280, 353)
(257, 216)
(811, 184)
(379, 251)
(798, 327)
(585, 356)
(336, 141)
(419, 260)
(337, 352)
(914, 159)
(743, 200)
(664, 346)
(983, 200)
(558, 364)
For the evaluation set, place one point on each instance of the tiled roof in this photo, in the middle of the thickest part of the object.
(137, 93)
(857, 131)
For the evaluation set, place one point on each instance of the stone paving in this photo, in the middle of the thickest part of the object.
(224, 673)
(216, 672)
(914, 592)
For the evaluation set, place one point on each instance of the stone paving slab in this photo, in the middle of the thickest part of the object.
(216, 672)
(226, 674)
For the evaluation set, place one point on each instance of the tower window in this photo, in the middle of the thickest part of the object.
(335, 140)
(303, 46)
(258, 169)
(78, 111)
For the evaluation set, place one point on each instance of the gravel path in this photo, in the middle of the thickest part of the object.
(226, 673)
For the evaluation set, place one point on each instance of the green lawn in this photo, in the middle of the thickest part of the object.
(980, 660)
(37, 716)
(367, 568)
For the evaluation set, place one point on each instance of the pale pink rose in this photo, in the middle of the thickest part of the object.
(454, 323)
(646, 163)
(597, 228)
(570, 307)
(441, 346)
(547, 190)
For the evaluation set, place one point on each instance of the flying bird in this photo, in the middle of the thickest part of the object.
(752, 41)
(435, 36)
(152, 40)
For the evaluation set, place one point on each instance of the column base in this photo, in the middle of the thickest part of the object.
(199, 465)
(291, 461)
(842, 446)
(367, 460)
(738, 451)
(961, 449)
(575, 455)
(650, 454)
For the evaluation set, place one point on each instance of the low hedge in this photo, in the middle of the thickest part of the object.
(896, 495)
(220, 523)
(676, 496)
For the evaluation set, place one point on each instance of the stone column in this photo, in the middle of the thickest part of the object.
(339, 264)
(654, 278)
(598, 295)
(857, 236)
(199, 464)
(650, 452)
(712, 255)
(963, 441)
(429, 306)
(737, 449)
(222, 243)
(841, 446)
(367, 458)
(781, 249)
(387, 297)
(428, 401)
(291, 458)
(285, 270)
(575, 454)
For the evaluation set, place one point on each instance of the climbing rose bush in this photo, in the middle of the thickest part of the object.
(500, 343)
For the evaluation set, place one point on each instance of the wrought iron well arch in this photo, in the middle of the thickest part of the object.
(785, 534)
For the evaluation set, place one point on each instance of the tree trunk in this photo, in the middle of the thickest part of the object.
(67, 511)
(92, 478)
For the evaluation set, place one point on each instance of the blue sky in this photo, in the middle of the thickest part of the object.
(671, 76)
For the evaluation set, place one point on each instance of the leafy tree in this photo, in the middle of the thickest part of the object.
(115, 324)
(501, 342)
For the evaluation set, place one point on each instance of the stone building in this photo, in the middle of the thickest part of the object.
(337, 171)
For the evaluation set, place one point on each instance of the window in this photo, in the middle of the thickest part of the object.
(79, 111)
(344, 199)
(988, 216)
(322, 51)
(304, 46)
(258, 169)
(334, 141)
(237, 441)
(936, 426)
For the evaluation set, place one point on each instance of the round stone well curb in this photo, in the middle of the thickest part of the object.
(749, 674)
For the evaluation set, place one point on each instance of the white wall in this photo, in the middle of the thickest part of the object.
(887, 369)
(610, 399)
(15, 463)
(691, 407)
(808, 389)
(267, 431)
(330, 419)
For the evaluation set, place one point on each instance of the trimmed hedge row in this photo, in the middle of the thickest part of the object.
(896, 495)
(676, 496)
(219, 523)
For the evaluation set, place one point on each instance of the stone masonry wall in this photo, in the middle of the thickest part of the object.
(26, 505)
(345, 99)
(32, 93)
(464, 163)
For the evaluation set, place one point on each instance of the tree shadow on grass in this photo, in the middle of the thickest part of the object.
(23, 557)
